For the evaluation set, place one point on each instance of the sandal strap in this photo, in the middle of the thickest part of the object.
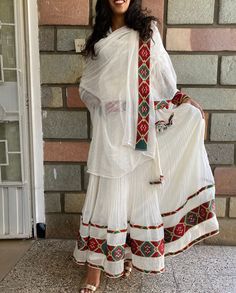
(91, 287)
(128, 268)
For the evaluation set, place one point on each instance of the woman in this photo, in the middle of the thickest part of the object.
(151, 190)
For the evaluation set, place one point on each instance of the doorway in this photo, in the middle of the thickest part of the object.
(17, 210)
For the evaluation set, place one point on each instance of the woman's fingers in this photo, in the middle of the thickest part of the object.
(199, 107)
(194, 103)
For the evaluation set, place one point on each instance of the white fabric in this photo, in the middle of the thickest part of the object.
(109, 88)
(178, 203)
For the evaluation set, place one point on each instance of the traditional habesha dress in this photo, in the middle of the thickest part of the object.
(151, 191)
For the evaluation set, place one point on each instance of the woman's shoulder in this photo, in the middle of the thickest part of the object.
(156, 39)
(155, 30)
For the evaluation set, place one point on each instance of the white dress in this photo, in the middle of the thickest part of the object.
(126, 217)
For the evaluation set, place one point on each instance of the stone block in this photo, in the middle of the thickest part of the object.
(62, 226)
(157, 9)
(46, 39)
(220, 153)
(52, 65)
(228, 70)
(232, 207)
(86, 177)
(206, 125)
(66, 151)
(67, 12)
(220, 207)
(74, 202)
(73, 98)
(223, 127)
(65, 124)
(52, 202)
(66, 37)
(195, 69)
(201, 39)
(190, 11)
(226, 235)
(213, 98)
(227, 13)
(62, 177)
(225, 178)
(51, 97)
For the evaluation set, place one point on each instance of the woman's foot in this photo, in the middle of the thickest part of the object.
(127, 268)
(92, 278)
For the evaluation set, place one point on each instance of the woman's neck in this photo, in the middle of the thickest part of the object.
(117, 21)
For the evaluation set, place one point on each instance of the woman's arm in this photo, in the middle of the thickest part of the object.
(165, 84)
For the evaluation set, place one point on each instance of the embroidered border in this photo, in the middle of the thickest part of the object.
(194, 217)
(207, 235)
(143, 95)
(178, 98)
(149, 248)
(150, 227)
(125, 229)
(162, 104)
(191, 196)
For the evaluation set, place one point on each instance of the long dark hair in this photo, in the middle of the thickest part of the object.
(135, 18)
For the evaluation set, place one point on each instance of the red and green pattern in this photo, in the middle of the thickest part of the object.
(202, 237)
(143, 95)
(162, 104)
(194, 217)
(178, 98)
(188, 198)
(149, 248)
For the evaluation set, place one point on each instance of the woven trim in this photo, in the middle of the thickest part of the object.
(143, 95)
(162, 104)
(188, 198)
(207, 235)
(125, 229)
(193, 218)
(179, 97)
(149, 227)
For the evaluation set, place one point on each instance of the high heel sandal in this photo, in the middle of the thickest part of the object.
(128, 269)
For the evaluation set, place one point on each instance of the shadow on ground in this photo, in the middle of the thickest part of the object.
(47, 267)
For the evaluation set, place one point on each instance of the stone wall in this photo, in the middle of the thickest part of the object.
(200, 37)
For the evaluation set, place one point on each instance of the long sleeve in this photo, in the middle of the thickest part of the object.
(92, 102)
(164, 83)
(164, 79)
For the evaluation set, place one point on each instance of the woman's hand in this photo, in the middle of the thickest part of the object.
(194, 103)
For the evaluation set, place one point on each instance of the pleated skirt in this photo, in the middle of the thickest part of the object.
(128, 218)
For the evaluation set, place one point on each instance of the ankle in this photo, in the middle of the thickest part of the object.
(93, 276)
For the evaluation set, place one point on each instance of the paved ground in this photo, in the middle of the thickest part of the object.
(47, 267)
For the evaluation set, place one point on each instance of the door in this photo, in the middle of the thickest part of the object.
(15, 197)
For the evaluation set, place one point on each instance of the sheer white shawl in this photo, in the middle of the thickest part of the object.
(109, 88)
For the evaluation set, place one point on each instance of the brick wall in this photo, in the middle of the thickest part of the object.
(200, 37)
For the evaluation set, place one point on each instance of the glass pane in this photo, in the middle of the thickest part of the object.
(12, 172)
(6, 11)
(10, 75)
(10, 132)
(3, 158)
(7, 46)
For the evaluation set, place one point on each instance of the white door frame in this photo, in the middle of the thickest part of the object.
(35, 118)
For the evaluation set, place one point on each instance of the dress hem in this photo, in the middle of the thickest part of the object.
(169, 254)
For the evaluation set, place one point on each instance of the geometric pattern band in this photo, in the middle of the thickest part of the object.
(179, 97)
(143, 95)
(166, 214)
(149, 248)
